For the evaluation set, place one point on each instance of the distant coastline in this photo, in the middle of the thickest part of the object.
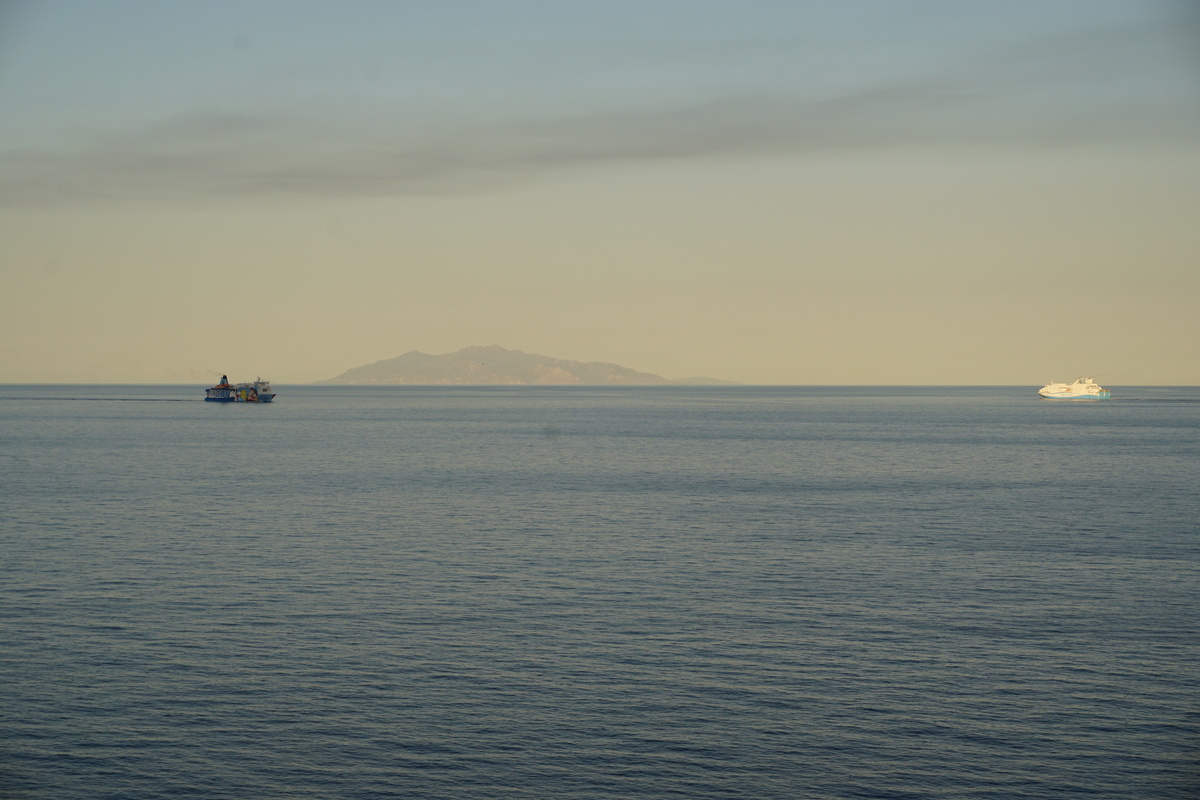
(497, 366)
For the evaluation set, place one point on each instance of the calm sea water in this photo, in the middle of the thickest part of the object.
(599, 593)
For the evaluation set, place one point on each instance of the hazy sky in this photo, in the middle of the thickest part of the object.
(862, 191)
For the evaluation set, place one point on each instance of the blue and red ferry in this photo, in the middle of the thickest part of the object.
(256, 391)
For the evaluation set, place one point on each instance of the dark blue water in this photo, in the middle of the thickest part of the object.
(599, 593)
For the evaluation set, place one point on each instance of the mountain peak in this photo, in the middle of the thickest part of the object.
(493, 365)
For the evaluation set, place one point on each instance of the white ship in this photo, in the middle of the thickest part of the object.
(1081, 389)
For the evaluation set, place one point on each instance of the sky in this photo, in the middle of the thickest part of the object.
(773, 192)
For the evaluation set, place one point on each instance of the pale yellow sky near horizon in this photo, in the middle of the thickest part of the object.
(1018, 260)
(847, 271)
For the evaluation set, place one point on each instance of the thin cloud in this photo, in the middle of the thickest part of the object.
(1087, 89)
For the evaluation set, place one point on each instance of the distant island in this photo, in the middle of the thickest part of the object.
(496, 366)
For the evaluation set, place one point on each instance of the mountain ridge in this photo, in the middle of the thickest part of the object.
(492, 365)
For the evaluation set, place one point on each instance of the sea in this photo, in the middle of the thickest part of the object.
(594, 593)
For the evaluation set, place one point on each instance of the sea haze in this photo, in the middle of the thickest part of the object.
(600, 593)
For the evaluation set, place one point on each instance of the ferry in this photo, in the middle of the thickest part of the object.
(256, 391)
(1081, 389)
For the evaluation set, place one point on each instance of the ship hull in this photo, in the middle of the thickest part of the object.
(1098, 396)
(257, 392)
